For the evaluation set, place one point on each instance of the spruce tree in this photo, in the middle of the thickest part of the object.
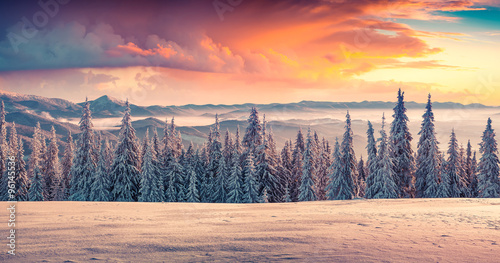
(371, 162)
(84, 163)
(101, 182)
(125, 173)
(52, 168)
(228, 147)
(22, 180)
(156, 143)
(253, 134)
(307, 189)
(35, 193)
(286, 168)
(250, 186)
(343, 184)
(192, 193)
(67, 162)
(13, 141)
(215, 156)
(322, 171)
(175, 188)
(454, 170)
(151, 185)
(473, 190)
(266, 169)
(36, 146)
(443, 189)
(274, 161)
(468, 167)
(361, 177)
(335, 172)
(401, 151)
(235, 184)
(488, 182)
(220, 185)
(297, 156)
(165, 158)
(382, 183)
(144, 146)
(428, 157)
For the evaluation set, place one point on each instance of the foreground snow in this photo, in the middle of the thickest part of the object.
(404, 230)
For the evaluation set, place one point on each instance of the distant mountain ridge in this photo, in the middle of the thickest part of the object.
(106, 106)
(27, 110)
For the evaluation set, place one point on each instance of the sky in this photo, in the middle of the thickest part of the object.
(242, 51)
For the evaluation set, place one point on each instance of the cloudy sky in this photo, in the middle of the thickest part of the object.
(238, 51)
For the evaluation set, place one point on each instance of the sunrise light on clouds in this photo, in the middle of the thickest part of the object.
(182, 52)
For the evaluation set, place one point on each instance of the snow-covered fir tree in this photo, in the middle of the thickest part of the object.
(344, 185)
(274, 160)
(400, 149)
(228, 147)
(266, 169)
(253, 135)
(84, 162)
(371, 162)
(488, 182)
(382, 184)
(144, 146)
(443, 189)
(176, 185)
(468, 167)
(454, 170)
(43, 154)
(200, 167)
(325, 162)
(175, 140)
(286, 167)
(108, 155)
(52, 168)
(13, 141)
(428, 157)
(464, 190)
(155, 141)
(151, 185)
(361, 177)
(36, 146)
(250, 185)
(235, 182)
(221, 182)
(101, 182)
(165, 157)
(125, 175)
(192, 194)
(66, 164)
(297, 156)
(203, 174)
(307, 189)
(35, 193)
(335, 172)
(97, 144)
(473, 190)
(21, 179)
(215, 156)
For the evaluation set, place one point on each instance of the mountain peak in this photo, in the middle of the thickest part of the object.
(107, 98)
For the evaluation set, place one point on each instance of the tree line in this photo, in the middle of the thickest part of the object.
(250, 169)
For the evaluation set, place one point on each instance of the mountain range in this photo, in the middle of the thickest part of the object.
(27, 110)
